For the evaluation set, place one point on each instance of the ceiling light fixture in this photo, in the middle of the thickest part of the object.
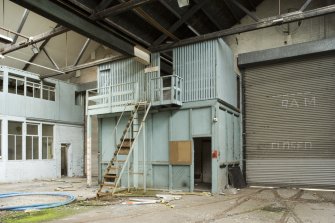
(35, 49)
(5, 39)
(183, 3)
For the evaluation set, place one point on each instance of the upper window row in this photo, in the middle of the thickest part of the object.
(28, 87)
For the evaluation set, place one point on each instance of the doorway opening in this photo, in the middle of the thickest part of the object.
(202, 164)
(64, 159)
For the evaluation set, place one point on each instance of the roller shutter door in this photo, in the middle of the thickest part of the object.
(289, 123)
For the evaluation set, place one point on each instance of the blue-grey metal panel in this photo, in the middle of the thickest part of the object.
(226, 81)
(196, 65)
(160, 176)
(202, 121)
(160, 136)
(107, 139)
(121, 72)
(181, 178)
(180, 129)
(63, 109)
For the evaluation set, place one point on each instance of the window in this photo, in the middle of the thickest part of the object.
(15, 84)
(0, 139)
(14, 140)
(1, 81)
(32, 142)
(48, 91)
(47, 141)
(33, 88)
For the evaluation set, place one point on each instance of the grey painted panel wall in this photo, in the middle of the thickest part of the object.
(160, 175)
(181, 177)
(180, 129)
(63, 109)
(160, 136)
(163, 126)
(201, 122)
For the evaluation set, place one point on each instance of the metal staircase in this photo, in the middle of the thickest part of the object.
(120, 162)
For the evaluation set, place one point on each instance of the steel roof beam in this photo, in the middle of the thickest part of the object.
(210, 17)
(231, 10)
(117, 9)
(35, 39)
(181, 21)
(264, 23)
(80, 24)
(166, 5)
(244, 9)
(50, 58)
(82, 51)
(304, 6)
(22, 22)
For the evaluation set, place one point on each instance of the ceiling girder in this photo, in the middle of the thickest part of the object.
(33, 57)
(117, 9)
(50, 58)
(82, 51)
(80, 24)
(181, 21)
(305, 5)
(264, 23)
(210, 17)
(34, 39)
(141, 13)
(21, 24)
(244, 9)
(167, 6)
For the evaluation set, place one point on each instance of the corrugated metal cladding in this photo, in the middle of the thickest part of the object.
(127, 71)
(290, 123)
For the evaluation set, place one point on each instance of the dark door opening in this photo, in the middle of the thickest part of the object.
(64, 160)
(202, 164)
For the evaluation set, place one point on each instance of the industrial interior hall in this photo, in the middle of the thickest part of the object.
(169, 110)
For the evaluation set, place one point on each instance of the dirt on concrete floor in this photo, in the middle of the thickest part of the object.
(248, 205)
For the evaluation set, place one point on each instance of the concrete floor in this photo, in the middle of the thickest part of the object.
(248, 205)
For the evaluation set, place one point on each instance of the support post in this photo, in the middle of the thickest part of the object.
(89, 150)
(144, 161)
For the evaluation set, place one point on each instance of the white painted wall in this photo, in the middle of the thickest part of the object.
(25, 170)
(273, 37)
(73, 135)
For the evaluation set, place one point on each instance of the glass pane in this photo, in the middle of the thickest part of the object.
(50, 148)
(20, 87)
(18, 147)
(29, 90)
(47, 130)
(35, 147)
(29, 148)
(45, 94)
(0, 138)
(11, 147)
(37, 92)
(52, 96)
(1, 81)
(11, 86)
(44, 147)
(15, 128)
(32, 129)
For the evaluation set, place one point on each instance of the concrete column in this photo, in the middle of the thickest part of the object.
(89, 150)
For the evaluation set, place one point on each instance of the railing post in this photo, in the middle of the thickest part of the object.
(136, 93)
(110, 97)
(172, 88)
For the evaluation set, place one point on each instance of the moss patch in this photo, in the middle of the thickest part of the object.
(45, 214)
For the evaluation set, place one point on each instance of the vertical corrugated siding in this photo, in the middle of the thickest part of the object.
(290, 123)
(120, 72)
(196, 65)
